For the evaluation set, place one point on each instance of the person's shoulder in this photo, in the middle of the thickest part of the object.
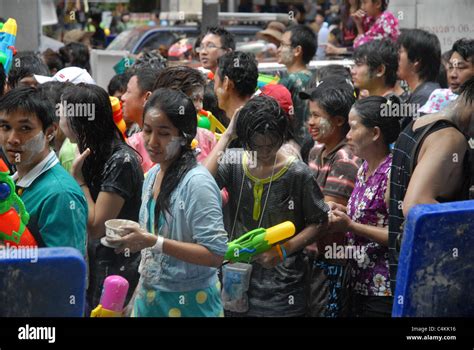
(315, 152)
(57, 182)
(346, 154)
(388, 16)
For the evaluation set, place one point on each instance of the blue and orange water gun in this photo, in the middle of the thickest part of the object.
(7, 43)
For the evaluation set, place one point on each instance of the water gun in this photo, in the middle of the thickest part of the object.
(207, 120)
(13, 228)
(258, 241)
(7, 43)
(265, 79)
(118, 115)
(113, 297)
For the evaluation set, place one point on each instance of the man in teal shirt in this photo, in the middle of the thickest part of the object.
(56, 204)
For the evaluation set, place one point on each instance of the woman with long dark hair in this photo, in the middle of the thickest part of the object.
(182, 236)
(109, 173)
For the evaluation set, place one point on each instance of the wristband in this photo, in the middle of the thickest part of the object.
(283, 251)
(158, 247)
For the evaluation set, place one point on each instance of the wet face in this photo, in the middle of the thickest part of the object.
(361, 75)
(210, 50)
(64, 125)
(161, 137)
(22, 138)
(197, 96)
(459, 71)
(133, 102)
(359, 137)
(285, 52)
(265, 147)
(28, 81)
(320, 123)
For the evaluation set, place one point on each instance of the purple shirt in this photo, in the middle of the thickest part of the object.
(367, 206)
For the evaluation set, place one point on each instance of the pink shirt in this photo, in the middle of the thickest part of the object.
(206, 141)
(384, 27)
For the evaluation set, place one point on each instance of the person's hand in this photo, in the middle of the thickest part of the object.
(339, 221)
(77, 166)
(358, 17)
(269, 259)
(333, 50)
(231, 130)
(134, 241)
(334, 206)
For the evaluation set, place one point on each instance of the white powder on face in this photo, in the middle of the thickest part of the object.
(173, 147)
(325, 127)
(33, 146)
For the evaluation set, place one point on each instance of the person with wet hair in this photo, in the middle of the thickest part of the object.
(366, 217)
(267, 187)
(335, 167)
(181, 223)
(109, 173)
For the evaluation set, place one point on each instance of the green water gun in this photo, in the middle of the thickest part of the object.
(258, 241)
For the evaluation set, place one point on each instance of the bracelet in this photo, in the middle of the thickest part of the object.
(283, 251)
(280, 253)
(158, 247)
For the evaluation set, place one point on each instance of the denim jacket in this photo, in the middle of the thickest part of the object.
(196, 208)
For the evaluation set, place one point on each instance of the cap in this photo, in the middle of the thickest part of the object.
(281, 94)
(73, 75)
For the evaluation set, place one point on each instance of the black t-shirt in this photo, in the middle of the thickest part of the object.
(122, 175)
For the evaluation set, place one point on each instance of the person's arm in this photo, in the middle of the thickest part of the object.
(212, 160)
(107, 207)
(193, 253)
(338, 200)
(439, 169)
(341, 222)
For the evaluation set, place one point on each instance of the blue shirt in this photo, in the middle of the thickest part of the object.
(196, 208)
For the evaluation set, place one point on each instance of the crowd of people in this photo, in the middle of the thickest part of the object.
(343, 155)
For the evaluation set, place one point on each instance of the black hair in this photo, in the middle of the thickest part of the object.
(52, 90)
(383, 4)
(329, 70)
(29, 100)
(3, 79)
(242, 69)
(465, 48)
(118, 83)
(95, 15)
(442, 77)
(446, 56)
(181, 78)
(146, 78)
(100, 134)
(25, 65)
(369, 110)
(53, 60)
(262, 115)
(424, 47)
(377, 53)
(76, 54)
(227, 39)
(181, 112)
(150, 59)
(335, 97)
(303, 36)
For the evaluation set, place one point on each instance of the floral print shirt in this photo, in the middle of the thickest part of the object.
(367, 206)
(384, 27)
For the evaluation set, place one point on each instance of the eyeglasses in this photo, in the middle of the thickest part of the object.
(207, 48)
